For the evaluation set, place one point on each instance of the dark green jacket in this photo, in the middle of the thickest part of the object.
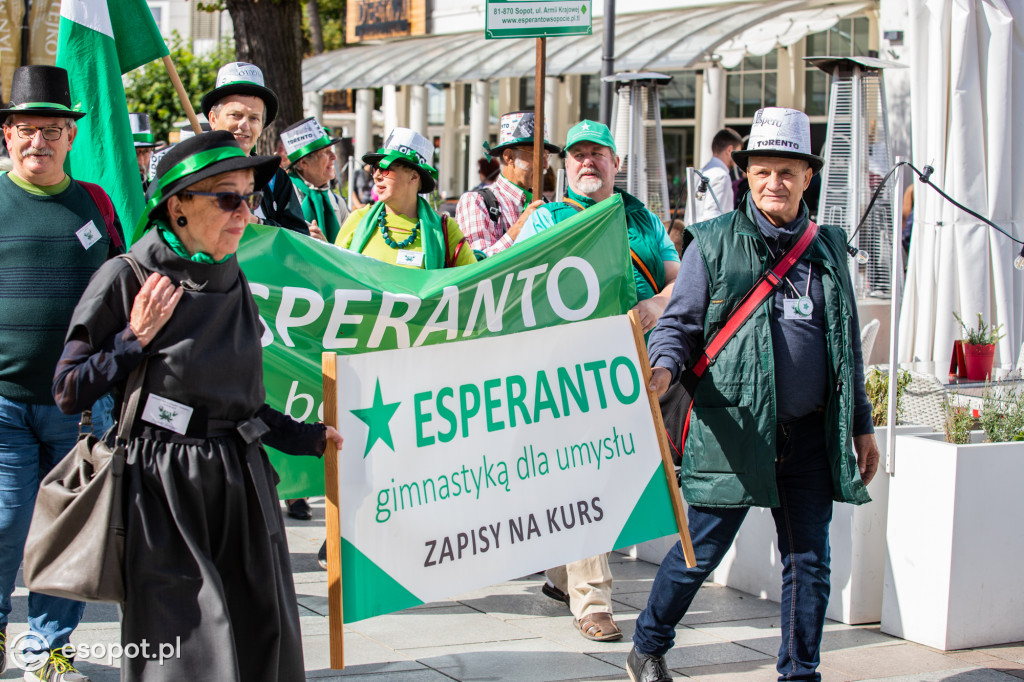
(729, 459)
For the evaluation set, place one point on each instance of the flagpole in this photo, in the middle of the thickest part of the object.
(182, 95)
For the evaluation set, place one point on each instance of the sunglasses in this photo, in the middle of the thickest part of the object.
(230, 201)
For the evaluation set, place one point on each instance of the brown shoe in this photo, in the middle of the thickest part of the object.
(599, 627)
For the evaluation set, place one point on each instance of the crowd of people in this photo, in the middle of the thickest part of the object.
(780, 420)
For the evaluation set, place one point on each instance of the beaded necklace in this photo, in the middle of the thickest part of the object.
(382, 221)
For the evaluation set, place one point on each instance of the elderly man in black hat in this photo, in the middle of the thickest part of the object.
(491, 217)
(774, 414)
(54, 234)
(242, 105)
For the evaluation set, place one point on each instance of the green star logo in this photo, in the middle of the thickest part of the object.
(378, 418)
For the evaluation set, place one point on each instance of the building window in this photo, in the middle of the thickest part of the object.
(437, 104)
(590, 97)
(161, 15)
(848, 38)
(679, 98)
(752, 85)
(526, 93)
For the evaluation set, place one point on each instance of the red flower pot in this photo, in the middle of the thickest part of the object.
(978, 359)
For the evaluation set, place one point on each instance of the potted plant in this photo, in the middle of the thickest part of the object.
(979, 346)
(953, 549)
(856, 534)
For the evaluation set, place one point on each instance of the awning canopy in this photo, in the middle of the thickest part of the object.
(668, 40)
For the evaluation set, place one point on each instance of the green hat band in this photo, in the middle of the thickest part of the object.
(186, 167)
(314, 146)
(40, 105)
(392, 155)
(143, 137)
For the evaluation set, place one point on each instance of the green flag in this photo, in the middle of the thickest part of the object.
(96, 44)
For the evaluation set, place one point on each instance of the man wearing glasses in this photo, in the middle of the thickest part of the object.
(493, 216)
(53, 237)
(590, 167)
(242, 105)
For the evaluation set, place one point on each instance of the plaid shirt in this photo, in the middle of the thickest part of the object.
(483, 233)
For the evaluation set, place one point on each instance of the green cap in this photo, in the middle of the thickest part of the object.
(590, 131)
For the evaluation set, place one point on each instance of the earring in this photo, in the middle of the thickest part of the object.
(182, 221)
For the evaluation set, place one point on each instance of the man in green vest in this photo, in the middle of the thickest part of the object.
(774, 416)
(591, 164)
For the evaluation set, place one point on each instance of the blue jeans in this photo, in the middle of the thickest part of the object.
(805, 494)
(33, 438)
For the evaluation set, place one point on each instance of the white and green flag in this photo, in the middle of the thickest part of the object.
(97, 42)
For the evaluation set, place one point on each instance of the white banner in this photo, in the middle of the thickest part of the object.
(474, 462)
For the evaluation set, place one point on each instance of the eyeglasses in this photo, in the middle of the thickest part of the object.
(230, 201)
(50, 133)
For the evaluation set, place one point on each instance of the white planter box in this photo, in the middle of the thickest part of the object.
(856, 536)
(953, 575)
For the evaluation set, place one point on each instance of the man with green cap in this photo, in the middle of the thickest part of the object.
(591, 164)
(310, 153)
(242, 105)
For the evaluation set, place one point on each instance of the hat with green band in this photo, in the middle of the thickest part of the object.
(196, 159)
(304, 138)
(515, 129)
(41, 90)
(241, 78)
(142, 134)
(408, 147)
(590, 131)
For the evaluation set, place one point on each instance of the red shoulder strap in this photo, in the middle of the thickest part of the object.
(106, 207)
(757, 295)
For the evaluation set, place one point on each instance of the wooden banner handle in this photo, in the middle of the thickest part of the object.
(182, 95)
(336, 620)
(659, 426)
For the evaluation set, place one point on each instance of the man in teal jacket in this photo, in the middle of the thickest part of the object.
(773, 417)
(590, 165)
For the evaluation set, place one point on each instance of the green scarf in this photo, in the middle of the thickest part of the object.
(432, 232)
(317, 205)
(178, 247)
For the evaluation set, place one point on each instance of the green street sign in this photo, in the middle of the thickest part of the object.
(538, 18)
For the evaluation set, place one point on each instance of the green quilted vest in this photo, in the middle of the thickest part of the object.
(729, 460)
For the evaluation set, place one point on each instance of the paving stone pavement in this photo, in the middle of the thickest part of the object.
(510, 631)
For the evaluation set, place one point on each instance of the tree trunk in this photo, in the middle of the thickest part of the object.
(316, 33)
(268, 33)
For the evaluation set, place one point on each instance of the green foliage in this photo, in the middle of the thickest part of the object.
(877, 386)
(1002, 415)
(332, 24)
(982, 335)
(958, 423)
(149, 89)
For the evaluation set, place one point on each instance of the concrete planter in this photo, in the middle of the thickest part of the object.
(954, 543)
(857, 539)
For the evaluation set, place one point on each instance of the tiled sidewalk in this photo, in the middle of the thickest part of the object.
(512, 632)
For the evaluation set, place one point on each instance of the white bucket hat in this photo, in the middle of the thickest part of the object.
(779, 132)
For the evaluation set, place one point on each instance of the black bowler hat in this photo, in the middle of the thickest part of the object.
(220, 154)
(41, 90)
(241, 78)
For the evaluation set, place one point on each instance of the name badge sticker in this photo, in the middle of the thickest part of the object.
(167, 414)
(88, 234)
(795, 309)
(411, 258)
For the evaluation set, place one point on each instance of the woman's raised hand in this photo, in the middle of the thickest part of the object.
(153, 306)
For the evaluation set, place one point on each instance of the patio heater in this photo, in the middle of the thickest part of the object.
(636, 127)
(857, 158)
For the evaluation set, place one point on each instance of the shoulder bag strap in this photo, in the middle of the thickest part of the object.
(644, 271)
(106, 208)
(133, 388)
(491, 203)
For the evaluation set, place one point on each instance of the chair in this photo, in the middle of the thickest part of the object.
(868, 334)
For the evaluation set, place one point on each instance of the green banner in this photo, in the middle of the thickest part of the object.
(315, 297)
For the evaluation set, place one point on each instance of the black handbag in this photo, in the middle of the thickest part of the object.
(75, 545)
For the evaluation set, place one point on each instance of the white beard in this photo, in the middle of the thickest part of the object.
(589, 184)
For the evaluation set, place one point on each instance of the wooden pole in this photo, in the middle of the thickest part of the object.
(659, 426)
(182, 95)
(335, 610)
(538, 119)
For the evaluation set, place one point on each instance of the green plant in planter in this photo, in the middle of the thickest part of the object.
(877, 386)
(983, 335)
(1002, 416)
(958, 423)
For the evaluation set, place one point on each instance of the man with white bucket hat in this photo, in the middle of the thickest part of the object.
(773, 416)
(311, 157)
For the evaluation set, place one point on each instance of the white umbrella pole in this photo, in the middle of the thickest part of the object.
(894, 316)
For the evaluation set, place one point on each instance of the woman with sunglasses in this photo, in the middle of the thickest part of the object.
(401, 227)
(206, 560)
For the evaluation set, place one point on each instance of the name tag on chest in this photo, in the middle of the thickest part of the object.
(410, 258)
(797, 308)
(88, 234)
(167, 414)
